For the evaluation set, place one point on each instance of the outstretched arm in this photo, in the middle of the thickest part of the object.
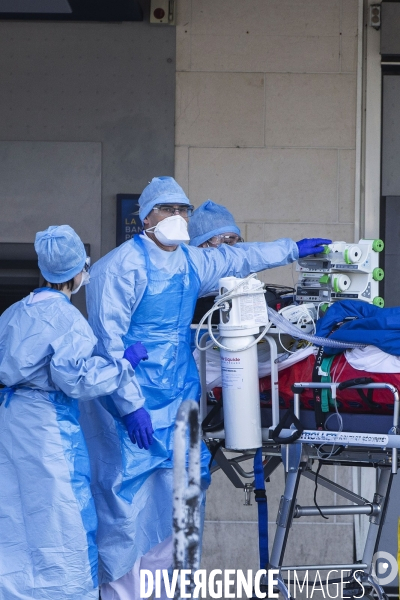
(240, 260)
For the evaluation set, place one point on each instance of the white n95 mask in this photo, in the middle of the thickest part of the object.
(84, 281)
(172, 231)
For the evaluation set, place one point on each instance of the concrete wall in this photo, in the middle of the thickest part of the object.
(86, 112)
(266, 113)
(107, 83)
(265, 124)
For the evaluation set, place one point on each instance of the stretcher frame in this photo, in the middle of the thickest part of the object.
(375, 450)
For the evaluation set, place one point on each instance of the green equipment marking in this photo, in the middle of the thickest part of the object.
(346, 257)
(378, 274)
(378, 245)
(378, 301)
(324, 279)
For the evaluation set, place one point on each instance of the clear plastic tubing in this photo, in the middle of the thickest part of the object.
(287, 327)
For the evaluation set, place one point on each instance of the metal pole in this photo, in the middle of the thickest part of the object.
(309, 511)
(203, 377)
(186, 509)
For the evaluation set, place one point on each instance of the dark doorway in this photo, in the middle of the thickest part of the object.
(19, 273)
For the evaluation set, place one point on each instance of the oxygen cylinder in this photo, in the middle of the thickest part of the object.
(241, 319)
(242, 419)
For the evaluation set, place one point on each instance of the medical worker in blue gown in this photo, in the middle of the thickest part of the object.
(47, 516)
(146, 290)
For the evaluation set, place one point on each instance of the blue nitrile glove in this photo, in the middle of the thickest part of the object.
(135, 354)
(139, 427)
(311, 246)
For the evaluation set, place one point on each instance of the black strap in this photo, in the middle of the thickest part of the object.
(288, 419)
(315, 491)
(316, 377)
(207, 420)
(357, 381)
(366, 397)
(214, 449)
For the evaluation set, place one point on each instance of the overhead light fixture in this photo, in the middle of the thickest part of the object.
(71, 10)
(35, 6)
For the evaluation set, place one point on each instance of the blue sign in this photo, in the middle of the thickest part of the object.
(128, 221)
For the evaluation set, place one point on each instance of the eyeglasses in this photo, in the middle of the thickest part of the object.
(86, 266)
(168, 210)
(223, 238)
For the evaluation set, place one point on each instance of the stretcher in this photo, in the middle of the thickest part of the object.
(357, 437)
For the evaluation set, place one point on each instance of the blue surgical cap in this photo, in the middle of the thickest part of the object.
(208, 220)
(61, 253)
(161, 190)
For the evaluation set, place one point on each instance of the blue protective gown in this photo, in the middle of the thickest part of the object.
(47, 515)
(139, 292)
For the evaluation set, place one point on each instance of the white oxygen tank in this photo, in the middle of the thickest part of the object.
(240, 321)
(240, 390)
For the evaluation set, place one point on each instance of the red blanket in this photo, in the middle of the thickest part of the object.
(349, 400)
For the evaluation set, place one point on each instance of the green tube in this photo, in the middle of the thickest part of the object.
(346, 257)
(335, 285)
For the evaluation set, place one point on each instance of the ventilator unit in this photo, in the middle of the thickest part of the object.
(343, 271)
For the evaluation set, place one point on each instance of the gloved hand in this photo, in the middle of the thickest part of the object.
(311, 246)
(139, 427)
(135, 354)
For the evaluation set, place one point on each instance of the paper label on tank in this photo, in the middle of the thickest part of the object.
(253, 309)
(260, 309)
(232, 373)
(246, 309)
